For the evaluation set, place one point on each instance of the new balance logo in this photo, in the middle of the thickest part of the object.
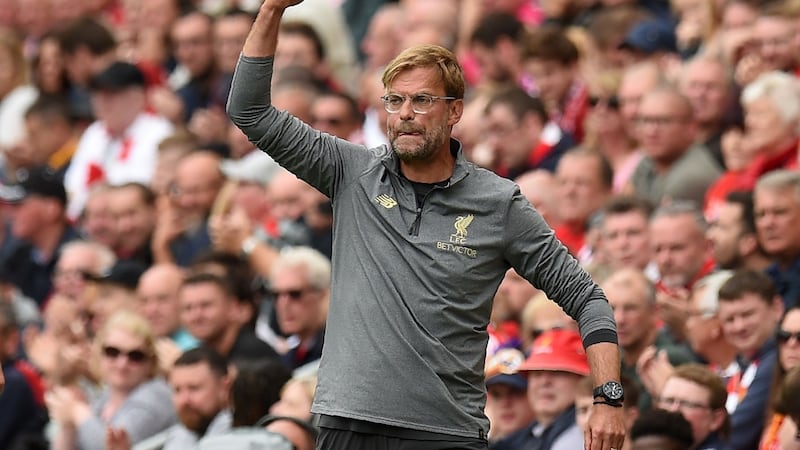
(386, 201)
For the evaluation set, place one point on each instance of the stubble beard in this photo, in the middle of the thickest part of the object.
(194, 420)
(432, 140)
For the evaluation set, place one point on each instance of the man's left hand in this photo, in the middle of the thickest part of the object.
(606, 428)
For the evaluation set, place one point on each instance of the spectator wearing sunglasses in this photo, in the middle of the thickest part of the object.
(605, 128)
(299, 287)
(780, 430)
(134, 398)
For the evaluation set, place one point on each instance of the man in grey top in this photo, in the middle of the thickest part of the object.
(422, 240)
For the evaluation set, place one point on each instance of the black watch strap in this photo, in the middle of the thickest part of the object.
(607, 402)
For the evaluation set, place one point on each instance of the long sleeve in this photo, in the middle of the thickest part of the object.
(147, 411)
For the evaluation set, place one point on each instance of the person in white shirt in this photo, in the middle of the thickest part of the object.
(121, 145)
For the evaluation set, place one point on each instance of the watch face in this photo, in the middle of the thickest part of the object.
(612, 390)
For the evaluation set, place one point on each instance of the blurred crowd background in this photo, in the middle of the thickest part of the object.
(164, 284)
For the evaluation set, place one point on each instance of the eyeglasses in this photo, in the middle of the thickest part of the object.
(134, 356)
(293, 294)
(668, 402)
(610, 102)
(785, 336)
(420, 103)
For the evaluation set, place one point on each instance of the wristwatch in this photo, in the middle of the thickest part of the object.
(609, 393)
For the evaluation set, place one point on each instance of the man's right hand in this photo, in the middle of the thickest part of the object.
(2, 380)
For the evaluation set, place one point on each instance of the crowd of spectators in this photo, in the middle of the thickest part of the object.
(163, 284)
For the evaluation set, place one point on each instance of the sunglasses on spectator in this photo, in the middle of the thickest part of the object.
(784, 336)
(610, 102)
(536, 332)
(134, 356)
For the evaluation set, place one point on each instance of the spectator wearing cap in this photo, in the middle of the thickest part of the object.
(507, 403)
(555, 366)
(114, 290)
(39, 230)
(652, 40)
(121, 145)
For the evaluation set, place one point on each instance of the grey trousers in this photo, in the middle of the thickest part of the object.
(334, 439)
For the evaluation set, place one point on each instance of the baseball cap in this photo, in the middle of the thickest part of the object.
(651, 36)
(125, 273)
(503, 368)
(118, 76)
(557, 350)
(41, 182)
(256, 167)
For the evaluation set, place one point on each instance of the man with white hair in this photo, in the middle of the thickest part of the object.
(777, 211)
(769, 140)
(772, 120)
(299, 287)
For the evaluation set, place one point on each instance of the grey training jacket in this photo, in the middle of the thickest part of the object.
(412, 289)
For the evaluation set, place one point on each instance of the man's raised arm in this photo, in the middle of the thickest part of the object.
(263, 37)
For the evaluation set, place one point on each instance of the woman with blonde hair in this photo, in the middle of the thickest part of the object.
(605, 127)
(134, 396)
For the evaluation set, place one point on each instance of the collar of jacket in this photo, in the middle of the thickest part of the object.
(462, 168)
